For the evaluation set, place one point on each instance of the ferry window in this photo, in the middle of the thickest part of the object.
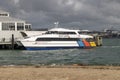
(83, 32)
(89, 39)
(71, 33)
(80, 32)
(56, 39)
(47, 32)
(20, 26)
(67, 33)
(8, 26)
(52, 32)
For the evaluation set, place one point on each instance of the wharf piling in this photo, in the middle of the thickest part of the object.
(9, 43)
(12, 42)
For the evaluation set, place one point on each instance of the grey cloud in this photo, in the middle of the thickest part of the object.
(88, 14)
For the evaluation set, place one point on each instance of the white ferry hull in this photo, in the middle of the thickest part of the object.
(51, 45)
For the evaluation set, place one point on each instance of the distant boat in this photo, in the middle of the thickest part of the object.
(57, 38)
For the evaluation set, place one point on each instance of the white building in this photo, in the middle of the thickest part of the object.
(9, 26)
(19, 28)
(12, 24)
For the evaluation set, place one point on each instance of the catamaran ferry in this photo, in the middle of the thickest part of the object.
(58, 38)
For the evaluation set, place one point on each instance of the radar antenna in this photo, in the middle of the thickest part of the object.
(56, 24)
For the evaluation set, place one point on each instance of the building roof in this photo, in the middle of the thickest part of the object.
(10, 19)
(1, 11)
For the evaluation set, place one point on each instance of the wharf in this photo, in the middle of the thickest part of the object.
(6, 39)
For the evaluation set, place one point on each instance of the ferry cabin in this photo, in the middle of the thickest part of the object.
(68, 33)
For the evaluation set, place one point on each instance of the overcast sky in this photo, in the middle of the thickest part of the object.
(82, 14)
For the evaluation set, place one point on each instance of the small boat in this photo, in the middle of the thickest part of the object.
(58, 38)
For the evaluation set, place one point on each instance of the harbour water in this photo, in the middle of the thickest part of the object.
(108, 54)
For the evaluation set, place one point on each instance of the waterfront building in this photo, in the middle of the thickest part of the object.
(12, 24)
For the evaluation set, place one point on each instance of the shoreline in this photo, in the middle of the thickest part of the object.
(69, 72)
(63, 66)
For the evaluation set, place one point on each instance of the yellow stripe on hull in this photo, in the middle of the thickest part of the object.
(92, 44)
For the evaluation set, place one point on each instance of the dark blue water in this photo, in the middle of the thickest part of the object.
(108, 54)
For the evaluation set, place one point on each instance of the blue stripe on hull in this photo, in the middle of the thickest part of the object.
(80, 43)
(49, 48)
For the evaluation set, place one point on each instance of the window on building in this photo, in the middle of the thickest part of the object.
(27, 27)
(8, 26)
(4, 14)
(11, 26)
(20, 26)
